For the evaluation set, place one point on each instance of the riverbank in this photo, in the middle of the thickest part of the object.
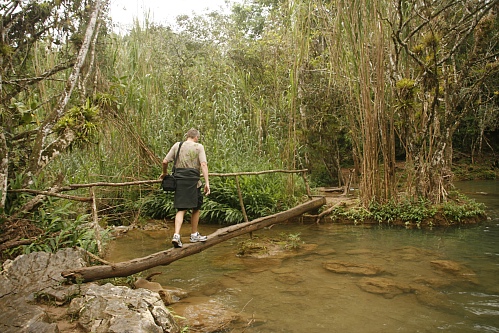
(459, 210)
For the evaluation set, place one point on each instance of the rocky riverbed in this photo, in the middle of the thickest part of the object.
(35, 298)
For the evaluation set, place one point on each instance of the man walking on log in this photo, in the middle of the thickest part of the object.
(191, 160)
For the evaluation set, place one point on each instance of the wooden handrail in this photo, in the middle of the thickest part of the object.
(55, 191)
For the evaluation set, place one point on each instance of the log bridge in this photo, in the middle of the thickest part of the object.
(163, 258)
(110, 270)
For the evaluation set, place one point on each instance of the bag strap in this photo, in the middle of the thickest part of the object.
(176, 156)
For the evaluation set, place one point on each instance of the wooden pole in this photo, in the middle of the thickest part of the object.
(349, 182)
(326, 212)
(95, 217)
(53, 194)
(307, 186)
(241, 199)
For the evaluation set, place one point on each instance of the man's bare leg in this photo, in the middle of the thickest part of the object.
(195, 236)
(179, 219)
(195, 220)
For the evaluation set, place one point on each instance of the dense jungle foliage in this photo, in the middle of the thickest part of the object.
(404, 93)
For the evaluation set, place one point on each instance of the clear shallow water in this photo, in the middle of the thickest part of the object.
(298, 295)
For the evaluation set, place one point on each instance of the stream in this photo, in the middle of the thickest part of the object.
(297, 294)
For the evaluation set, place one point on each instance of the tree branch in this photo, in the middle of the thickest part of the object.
(52, 194)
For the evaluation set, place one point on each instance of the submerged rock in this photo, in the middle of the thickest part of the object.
(388, 288)
(455, 269)
(342, 267)
(290, 278)
(431, 297)
(205, 315)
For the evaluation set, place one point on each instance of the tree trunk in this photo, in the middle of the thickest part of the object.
(4, 168)
(166, 257)
(44, 152)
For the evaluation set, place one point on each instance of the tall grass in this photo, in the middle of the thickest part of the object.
(162, 83)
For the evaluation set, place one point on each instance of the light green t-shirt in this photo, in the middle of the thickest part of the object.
(191, 155)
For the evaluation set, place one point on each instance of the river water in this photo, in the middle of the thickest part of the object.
(297, 294)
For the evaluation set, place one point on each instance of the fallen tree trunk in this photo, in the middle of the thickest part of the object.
(164, 258)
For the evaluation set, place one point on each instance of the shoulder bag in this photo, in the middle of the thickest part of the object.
(169, 183)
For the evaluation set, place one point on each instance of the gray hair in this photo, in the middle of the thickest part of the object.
(192, 133)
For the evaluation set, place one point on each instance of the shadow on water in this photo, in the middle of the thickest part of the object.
(443, 280)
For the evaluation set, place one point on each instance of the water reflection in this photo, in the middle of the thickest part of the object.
(298, 294)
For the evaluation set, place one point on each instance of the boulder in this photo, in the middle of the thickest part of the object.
(39, 272)
(30, 278)
(111, 308)
(27, 278)
(388, 288)
(18, 316)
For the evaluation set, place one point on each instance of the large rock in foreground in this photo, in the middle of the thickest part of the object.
(115, 309)
(28, 277)
(106, 308)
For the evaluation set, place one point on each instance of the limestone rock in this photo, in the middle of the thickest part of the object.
(18, 316)
(29, 276)
(110, 308)
(39, 271)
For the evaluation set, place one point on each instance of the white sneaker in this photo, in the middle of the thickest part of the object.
(177, 243)
(198, 238)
